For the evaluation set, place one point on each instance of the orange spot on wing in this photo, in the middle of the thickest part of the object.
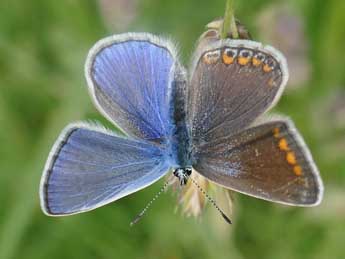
(271, 82)
(243, 61)
(227, 60)
(291, 158)
(283, 145)
(207, 60)
(297, 170)
(276, 132)
(211, 57)
(256, 62)
(267, 68)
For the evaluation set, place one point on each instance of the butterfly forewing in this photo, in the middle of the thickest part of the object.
(89, 167)
(269, 161)
(232, 83)
(130, 77)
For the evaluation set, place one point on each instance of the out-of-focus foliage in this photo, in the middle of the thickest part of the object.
(43, 45)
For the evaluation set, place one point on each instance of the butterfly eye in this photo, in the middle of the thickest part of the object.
(258, 59)
(269, 65)
(229, 55)
(211, 57)
(244, 57)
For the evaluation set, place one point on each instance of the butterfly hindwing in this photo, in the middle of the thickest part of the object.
(269, 161)
(89, 167)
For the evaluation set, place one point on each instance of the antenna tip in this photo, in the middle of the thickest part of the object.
(135, 221)
(226, 218)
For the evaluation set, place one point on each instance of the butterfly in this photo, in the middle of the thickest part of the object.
(207, 119)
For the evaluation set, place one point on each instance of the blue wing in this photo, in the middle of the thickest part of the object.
(130, 78)
(90, 167)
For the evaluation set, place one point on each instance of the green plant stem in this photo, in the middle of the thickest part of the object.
(229, 23)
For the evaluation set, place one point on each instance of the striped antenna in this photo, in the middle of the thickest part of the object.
(142, 213)
(212, 201)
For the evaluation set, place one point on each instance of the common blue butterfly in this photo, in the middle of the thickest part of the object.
(205, 119)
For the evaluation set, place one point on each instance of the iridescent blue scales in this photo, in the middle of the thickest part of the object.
(171, 121)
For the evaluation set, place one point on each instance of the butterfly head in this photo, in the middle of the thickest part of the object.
(183, 174)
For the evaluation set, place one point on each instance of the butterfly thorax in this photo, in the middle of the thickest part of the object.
(180, 140)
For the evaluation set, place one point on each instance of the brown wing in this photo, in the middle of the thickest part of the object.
(232, 83)
(269, 161)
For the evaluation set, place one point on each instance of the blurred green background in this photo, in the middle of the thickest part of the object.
(43, 45)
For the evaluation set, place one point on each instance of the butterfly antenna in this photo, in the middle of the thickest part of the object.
(142, 213)
(226, 218)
